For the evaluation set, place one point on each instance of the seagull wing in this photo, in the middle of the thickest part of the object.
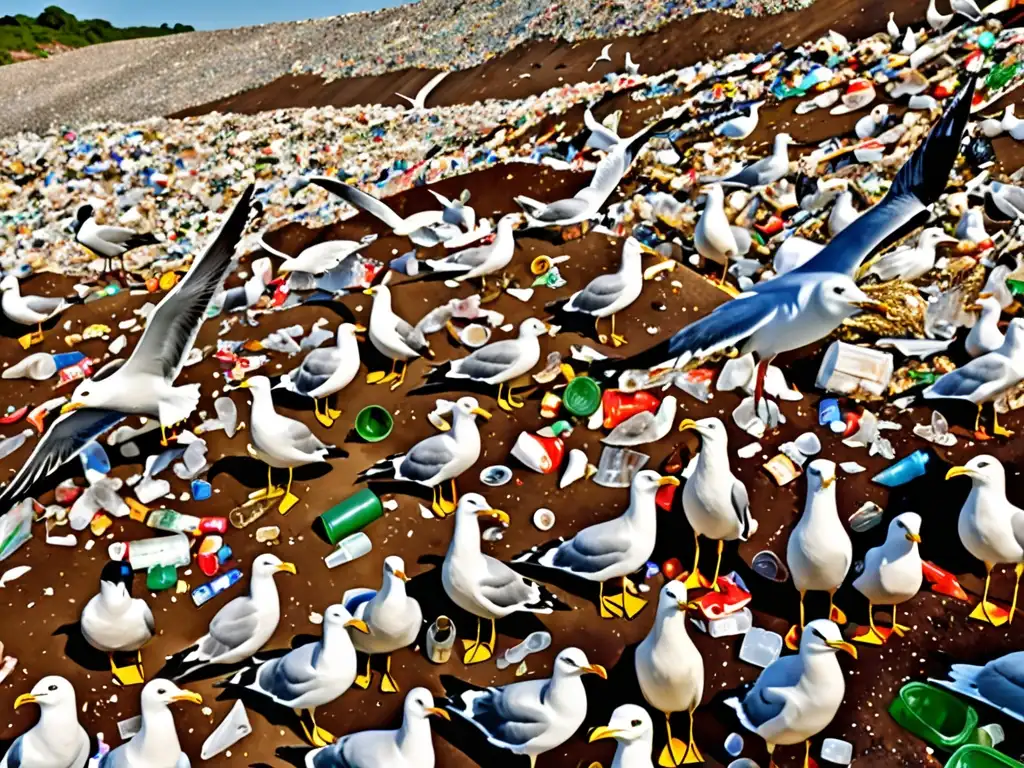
(426, 459)
(762, 703)
(492, 360)
(117, 235)
(972, 380)
(174, 324)
(503, 587)
(412, 337)
(302, 437)
(601, 137)
(600, 293)
(290, 676)
(13, 757)
(512, 715)
(741, 506)
(316, 369)
(233, 625)
(595, 548)
(65, 439)
(360, 200)
(917, 185)
(44, 305)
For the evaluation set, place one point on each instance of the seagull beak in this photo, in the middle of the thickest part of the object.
(985, 295)
(481, 412)
(825, 483)
(438, 712)
(243, 384)
(603, 732)
(914, 537)
(872, 306)
(369, 291)
(287, 568)
(497, 514)
(25, 698)
(686, 424)
(596, 669)
(840, 645)
(401, 575)
(191, 696)
(668, 480)
(358, 624)
(957, 471)
(69, 407)
(360, 328)
(693, 605)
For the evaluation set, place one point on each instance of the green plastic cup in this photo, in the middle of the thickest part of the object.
(351, 515)
(932, 714)
(582, 396)
(374, 423)
(975, 756)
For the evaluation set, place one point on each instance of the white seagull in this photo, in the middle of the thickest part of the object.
(797, 696)
(437, 459)
(632, 728)
(632, 67)
(144, 383)
(58, 740)
(393, 337)
(530, 717)
(713, 237)
(113, 621)
(936, 20)
(482, 260)
(843, 213)
(483, 585)
(28, 310)
(605, 56)
(910, 262)
(420, 102)
(762, 172)
(105, 241)
(418, 227)
(966, 8)
(317, 258)
(456, 212)
(327, 371)
(242, 626)
(612, 549)
(156, 744)
(985, 335)
(892, 573)
(741, 126)
(892, 28)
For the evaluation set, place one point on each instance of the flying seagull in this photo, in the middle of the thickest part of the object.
(420, 102)
(144, 383)
(418, 227)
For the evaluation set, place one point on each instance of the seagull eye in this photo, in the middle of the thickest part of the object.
(901, 524)
(161, 691)
(982, 464)
(840, 291)
(635, 723)
(820, 636)
(52, 688)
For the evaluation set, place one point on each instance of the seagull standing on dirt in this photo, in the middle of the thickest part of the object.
(144, 383)
(612, 549)
(530, 717)
(58, 740)
(713, 237)
(763, 172)
(325, 372)
(28, 310)
(991, 528)
(985, 335)
(113, 621)
(797, 696)
(910, 262)
(418, 227)
(104, 241)
(741, 126)
(482, 585)
(393, 337)
(156, 744)
(892, 28)
(715, 501)
(241, 627)
(632, 728)
(892, 573)
(670, 670)
(819, 553)
(482, 260)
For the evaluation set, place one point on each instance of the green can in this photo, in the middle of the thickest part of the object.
(351, 515)
(161, 577)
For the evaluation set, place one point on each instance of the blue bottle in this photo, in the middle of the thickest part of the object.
(903, 471)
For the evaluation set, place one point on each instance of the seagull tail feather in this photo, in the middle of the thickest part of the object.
(184, 402)
(182, 663)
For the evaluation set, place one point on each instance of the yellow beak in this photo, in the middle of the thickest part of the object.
(481, 412)
(985, 295)
(914, 537)
(243, 384)
(191, 696)
(872, 306)
(438, 712)
(69, 407)
(25, 698)
(839, 645)
(828, 481)
(597, 669)
(361, 328)
(401, 575)
(358, 624)
(668, 480)
(287, 568)
(369, 291)
(603, 732)
(693, 605)
(497, 514)
(686, 424)
(956, 472)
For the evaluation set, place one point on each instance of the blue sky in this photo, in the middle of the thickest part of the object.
(202, 14)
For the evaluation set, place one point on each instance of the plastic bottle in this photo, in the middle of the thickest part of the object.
(903, 471)
(146, 553)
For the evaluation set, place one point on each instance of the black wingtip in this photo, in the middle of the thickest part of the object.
(925, 174)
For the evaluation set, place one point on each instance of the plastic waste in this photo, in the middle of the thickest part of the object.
(204, 593)
(143, 554)
(761, 647)
(230, 731)
(350, 548)
(903, 471)
(535, 642)
(618, 466)
(440, 640)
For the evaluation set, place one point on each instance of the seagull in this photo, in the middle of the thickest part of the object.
(819, 553)
(972, 226)
(910, 262)
(998, 683)
(1004, 201)
(113, 621)
(107, 242)
(985, 335)
(843, 213)
(632, 728)
(601, 138)
(715, 501)
(482, 260)
(58, 740)
(794, 252)
(393, 619)
(909, 42)
(713, 237)
(990, 527)
(670, 670)
(763, 172)
(279, 442)
(871, 124)
(966, 8)
(28, 310)
(310, 675)
(144, 384)
(810, 302)
(796, 697)
(994, 126)
(644, 427)
(892, 28)
(612, 549)
(823, 192)
(741, 126)
(607, 295)
(409, 747)
(420, 102)
(500, 362)
(393, 337)
(482, 585)
(587, 203)
(1012, 125)
(327, 371)
(418, 227)
(156, 744)
(605, 56)
(317, 258)
(892, 573)
(936, 20)
(439, 458)
(984, 379)
(456, 212)
(529, 717)
(241, 627)
(632, 67)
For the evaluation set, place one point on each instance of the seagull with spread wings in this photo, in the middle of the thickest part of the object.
(144, 383)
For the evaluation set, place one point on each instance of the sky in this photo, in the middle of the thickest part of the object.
(202, 14)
